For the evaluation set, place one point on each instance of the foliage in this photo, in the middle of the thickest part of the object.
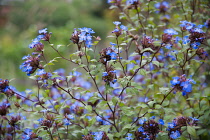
(149, 83)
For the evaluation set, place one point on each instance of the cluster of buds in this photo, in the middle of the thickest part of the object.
(43, 35)
(48, 122)
(46, 35)
(75, 36)
(202, 54)
(43, 76)
(183, 84)
(197, 35)
(29, 135)
(109, 75)
(14, 120)
(5, 88)
(7, 131)
(76, 108)
(149, 130)
(96, 135)
(31, 64)
(108, 54)
(166, 38)
(133, 4)
(162, 6)
(118, 29)
(174, 128)
(4, 108)
(147, 42)
(82, 35)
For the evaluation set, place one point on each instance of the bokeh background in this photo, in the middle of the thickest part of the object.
(21, 19)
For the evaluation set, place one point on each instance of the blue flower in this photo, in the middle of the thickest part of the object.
(115, 30)
(161, 122)
(187, 86)
(129, 136)
(86, 30)
(195, 45)
(82, 36)
(104, 74)
(66, 121)
(88, 44)
(112, 44)
(187, 25)
(141, 121)
(171, 125)
(140, 129)
(123, 27)
(194, 119)
(198, 30)
(98, 135)
(177, 39)
(170, 31)
(186, 40)
(117, 23)
(43, 31)
(168, 46)
(113, 55)
(175, 134)
(128, 2)
(175, 81)
(26, 134)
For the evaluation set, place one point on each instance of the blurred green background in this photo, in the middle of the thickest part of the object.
(20, 21)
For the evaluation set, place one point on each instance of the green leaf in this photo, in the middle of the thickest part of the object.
(164, 90)
(104, 128)
(191, 131)
(115, 100)
(165, 103)
(89, 108)
(142, 71)
(147, 49)
(156, 63)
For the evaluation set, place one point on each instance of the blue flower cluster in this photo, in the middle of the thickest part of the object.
(42, 75)
(43, 35)
(148, 129)
(182, 84)
(67, 119)
(98, 135)
(162, 6)
(31, 64)
(118, 30)
(175, 126)
(83, 35)
(197, 35)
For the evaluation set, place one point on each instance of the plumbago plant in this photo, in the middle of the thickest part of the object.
(150, 83)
